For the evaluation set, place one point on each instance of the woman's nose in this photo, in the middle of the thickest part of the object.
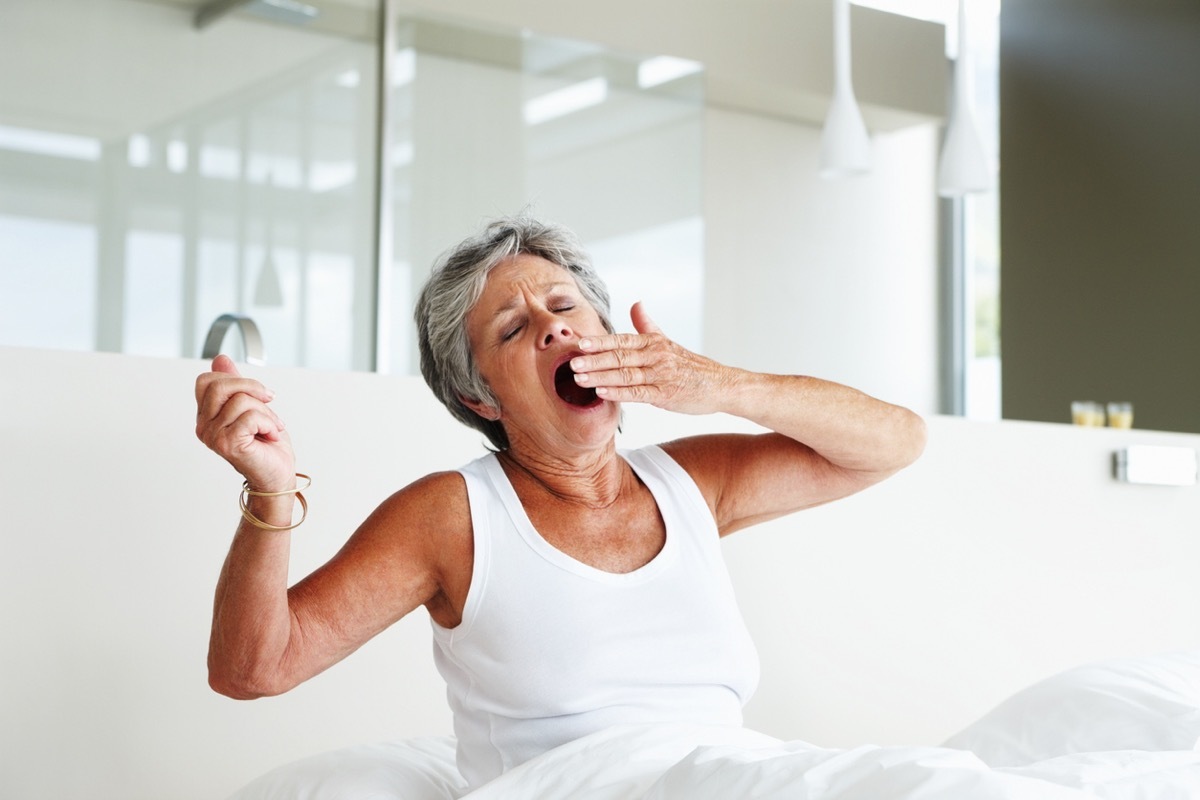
(555, 329)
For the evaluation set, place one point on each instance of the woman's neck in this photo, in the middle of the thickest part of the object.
(594, 480)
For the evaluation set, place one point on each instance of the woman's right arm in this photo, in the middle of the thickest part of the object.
(267, 638)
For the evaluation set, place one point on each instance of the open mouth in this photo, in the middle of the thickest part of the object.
(570, 391)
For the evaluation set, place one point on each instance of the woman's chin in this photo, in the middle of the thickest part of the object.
(593, 423)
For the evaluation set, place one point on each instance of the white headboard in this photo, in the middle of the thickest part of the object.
(899, 615)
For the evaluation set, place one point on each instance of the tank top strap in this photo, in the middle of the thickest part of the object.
(672, 485)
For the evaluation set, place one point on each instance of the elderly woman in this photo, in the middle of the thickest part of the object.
(571, 586)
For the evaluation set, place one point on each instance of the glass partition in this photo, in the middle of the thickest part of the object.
(487, 122)
(156, 174)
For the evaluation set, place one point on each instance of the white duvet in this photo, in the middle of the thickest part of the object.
(1122, 730)
(691, 763)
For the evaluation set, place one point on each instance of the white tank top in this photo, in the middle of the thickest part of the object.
(550, 649)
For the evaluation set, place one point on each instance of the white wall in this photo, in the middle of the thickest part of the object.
(836, 279)
(1006, 554)
(899, 615)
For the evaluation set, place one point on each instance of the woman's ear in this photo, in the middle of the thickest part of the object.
(488, 412)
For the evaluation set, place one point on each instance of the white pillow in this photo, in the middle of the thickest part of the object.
(417, 769)
(1150, 703)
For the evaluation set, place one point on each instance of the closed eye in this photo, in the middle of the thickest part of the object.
(510, 334)
(559, 302)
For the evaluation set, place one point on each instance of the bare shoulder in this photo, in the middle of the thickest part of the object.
(428, 515)
(439, 497)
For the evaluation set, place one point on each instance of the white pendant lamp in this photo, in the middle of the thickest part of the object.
(268, 292)
(963, 167)
(845, 145)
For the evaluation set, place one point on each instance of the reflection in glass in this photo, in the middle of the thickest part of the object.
(238, 175)
(486, 122)
(130, 219)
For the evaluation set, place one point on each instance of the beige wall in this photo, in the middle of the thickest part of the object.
(1100, 186)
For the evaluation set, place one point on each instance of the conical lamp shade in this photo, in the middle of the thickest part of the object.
(267, 290)
(963, 166)
(845, 144)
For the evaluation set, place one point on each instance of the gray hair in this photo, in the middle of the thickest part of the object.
(456, 284)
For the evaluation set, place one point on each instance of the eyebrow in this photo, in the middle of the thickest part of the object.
(545, 289)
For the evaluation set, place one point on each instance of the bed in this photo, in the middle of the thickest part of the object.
(1126, 729)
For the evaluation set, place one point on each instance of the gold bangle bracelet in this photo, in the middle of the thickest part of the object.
(258, 523)
(307, 483)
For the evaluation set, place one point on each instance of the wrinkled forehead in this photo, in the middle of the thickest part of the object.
(508, 287)
(509, 282)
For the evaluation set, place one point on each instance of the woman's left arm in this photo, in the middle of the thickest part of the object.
(829, 440)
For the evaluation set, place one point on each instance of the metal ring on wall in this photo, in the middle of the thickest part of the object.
(251, 339)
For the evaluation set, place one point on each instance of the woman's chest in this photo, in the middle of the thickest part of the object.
(620, 538)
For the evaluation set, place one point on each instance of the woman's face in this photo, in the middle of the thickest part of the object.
(524, 329)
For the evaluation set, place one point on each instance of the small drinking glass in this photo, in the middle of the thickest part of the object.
(1120, 415)
(1087, 413)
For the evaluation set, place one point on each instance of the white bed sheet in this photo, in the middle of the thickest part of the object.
(694, 763)
(1138, 718)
